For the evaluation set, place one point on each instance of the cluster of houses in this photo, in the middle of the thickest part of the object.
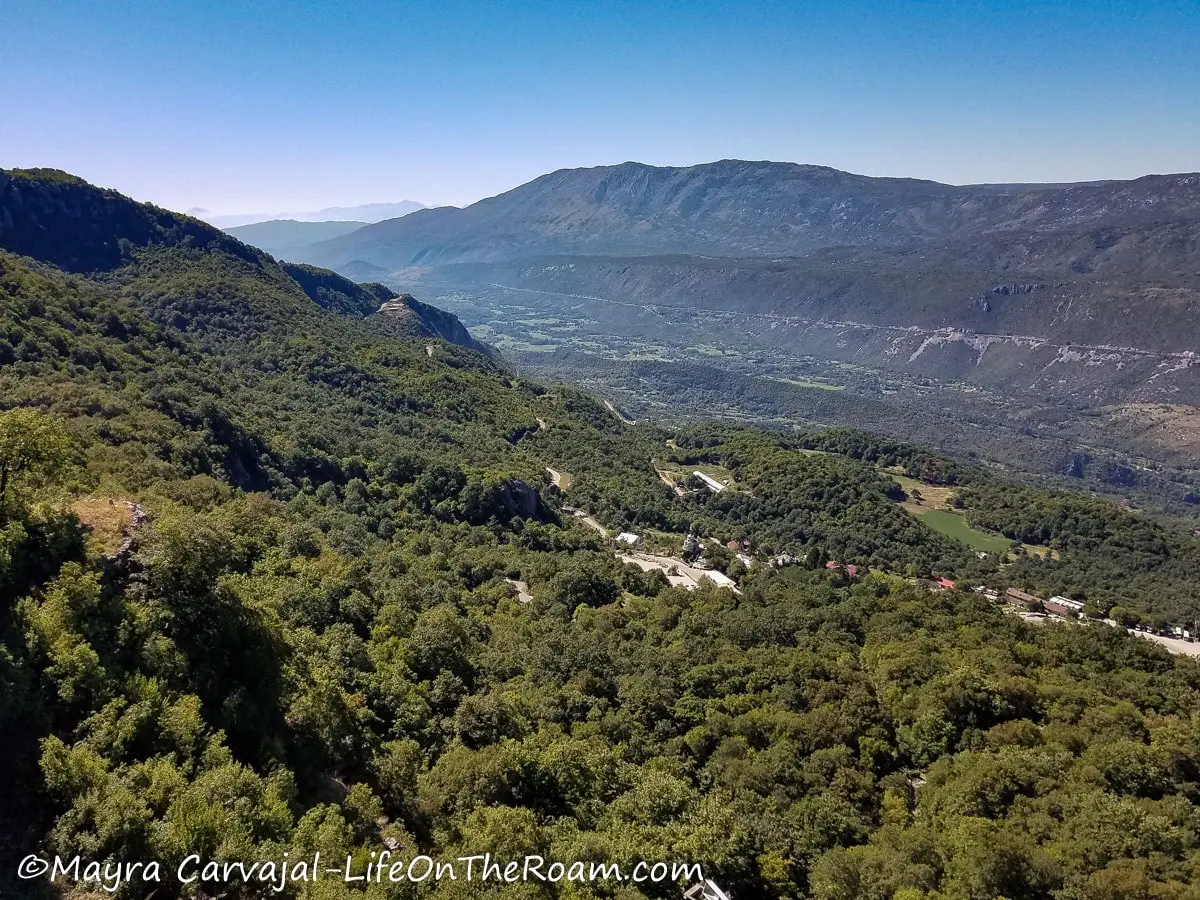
(1066, 609)
(687, 574)
(743, 550)
(1057, 607)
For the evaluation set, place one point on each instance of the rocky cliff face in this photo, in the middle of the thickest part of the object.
(410, 315)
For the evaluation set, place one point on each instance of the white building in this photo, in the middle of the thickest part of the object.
(628, 537)
(715, 485)
(1068, 603)
(720, 579)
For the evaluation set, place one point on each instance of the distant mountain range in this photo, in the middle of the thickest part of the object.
(1103, 263)
(750, 209)
(1026, 309)
(367, 212)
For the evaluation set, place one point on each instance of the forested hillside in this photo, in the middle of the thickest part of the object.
(277, 575)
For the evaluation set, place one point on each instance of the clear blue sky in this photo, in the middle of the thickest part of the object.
(249, 105)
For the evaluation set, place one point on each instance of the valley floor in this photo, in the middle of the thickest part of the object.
(669, 364)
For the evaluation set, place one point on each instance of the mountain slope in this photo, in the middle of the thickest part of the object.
(734, 208)
(398, 313)
(53, 216)
(186, 273)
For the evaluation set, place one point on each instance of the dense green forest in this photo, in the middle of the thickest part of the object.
(259, 548)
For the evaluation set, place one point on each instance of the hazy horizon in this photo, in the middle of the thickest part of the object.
(309, 216)
(240, 109)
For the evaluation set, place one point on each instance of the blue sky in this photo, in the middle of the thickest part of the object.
(241, 106)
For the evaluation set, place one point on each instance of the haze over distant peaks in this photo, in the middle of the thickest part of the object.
(367, 213)
(280, 237)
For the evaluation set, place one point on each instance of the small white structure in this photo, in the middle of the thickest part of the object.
(720, 579)
(628, 537)
(715, 485)
(705, 890)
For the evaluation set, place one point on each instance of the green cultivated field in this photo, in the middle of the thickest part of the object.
(954, 525)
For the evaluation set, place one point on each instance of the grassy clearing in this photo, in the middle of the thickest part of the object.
(931, 504)
(922, 497)
(819, 385)
(953, 525)
(106, 521)
(523, 347)
(561, 477)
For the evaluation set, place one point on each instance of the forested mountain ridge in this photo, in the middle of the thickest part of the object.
(60, 219)
(400, 312)
(312, 638)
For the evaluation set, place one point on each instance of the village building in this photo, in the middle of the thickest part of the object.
(720, 579)
(715, 486)
(1073, 605)
(1057, 609)
(1013, 595)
